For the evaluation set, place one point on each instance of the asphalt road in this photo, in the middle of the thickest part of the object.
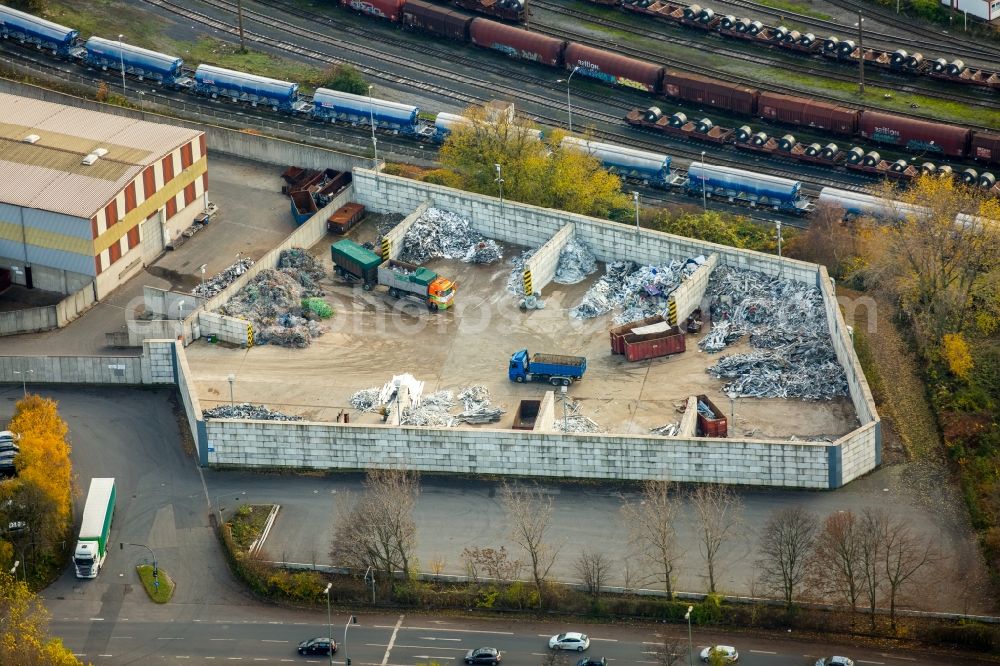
(270, 635)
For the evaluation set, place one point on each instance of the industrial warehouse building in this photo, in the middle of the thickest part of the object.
(87, 198)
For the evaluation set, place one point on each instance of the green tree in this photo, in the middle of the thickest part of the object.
(24, 639)
(533, 171)
(345, 78)
(721, 228)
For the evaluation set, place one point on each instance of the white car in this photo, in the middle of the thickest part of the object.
(571, 640)
(725, 653)
(835, 661)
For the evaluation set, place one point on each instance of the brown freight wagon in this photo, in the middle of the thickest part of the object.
(807, 113)
(703, 90)
(517, 43)
(618, 332)
(654, 345)
(613, 68)
(436, 20)
(914, 134)
(985, 147)
(712, 427)
(345, 217)
(390, 9)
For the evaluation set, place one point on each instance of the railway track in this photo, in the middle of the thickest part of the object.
(986, 100)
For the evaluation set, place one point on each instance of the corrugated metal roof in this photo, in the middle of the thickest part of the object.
(49, 175)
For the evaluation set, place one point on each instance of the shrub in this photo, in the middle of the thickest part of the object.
(968, 636)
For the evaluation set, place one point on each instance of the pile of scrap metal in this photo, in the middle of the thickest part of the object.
(249, 411)
(272, 301)
(576, 262)
(220, 281)
(639, 291)
(786, 324)
(440, 234)
(434, 410)
(570, 419)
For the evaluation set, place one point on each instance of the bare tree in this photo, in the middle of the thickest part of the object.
(873, 526)
(671, 652)
(377, 529)
(651, 528)
(718, 510)
(494, 563)
(905, 554)
(529, 514)
(785, 545)
(593, 568)
(835, 565)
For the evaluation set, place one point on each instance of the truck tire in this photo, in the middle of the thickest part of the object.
(339, 271)
(566, 382)
(367, 286)
(555, 381)
(519, 380)
(432, 307)
(393, 292)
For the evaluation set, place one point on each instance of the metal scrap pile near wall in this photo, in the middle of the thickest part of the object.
(220, 281)
(433, 410)
(440, 234)
(568, 418)
(638, 291)
(786, 323)
(273, 301)
(576, 262)
(247, 410)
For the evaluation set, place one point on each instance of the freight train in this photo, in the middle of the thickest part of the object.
(806, 43)
(505, 10)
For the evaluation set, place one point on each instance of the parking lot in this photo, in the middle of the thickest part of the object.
(373, 337)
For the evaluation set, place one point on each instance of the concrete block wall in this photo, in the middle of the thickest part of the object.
(396, 234)
(189, 398)
(857, 456)
(544, 262)
(336, 446)
(74, 305)
(226, 328)
(546, 413)
(71, 369)
(29, 320)
(169, 304)
(140, 330)
(308, 233)
(158, 362)
(689, 295)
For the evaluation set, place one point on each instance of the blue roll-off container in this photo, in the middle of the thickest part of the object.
(627, 162)
(139, 62)
(359, 109)
(31, 29)
(256, 90)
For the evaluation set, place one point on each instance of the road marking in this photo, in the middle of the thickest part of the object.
(97, 619)
(607, 640)
(79, 654)
(271, 640)
(121, 637)
(105, 655)
(392, 640)
(167, 638)
(178, 656)
(430, 656)
(463, 631)
(222, 639)
(761, 652)
(431, 638)
(235, 658)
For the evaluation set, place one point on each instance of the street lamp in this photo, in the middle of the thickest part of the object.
(329, 621)
(24, 379)
(180, 309)
(635, 198)
(121, 57)
(156, 571)
(371, 119)
(569, 105)
(232, 380)
(499, 181)
(732, 409)
(202, 269)
(861, 53)
(142, 113)
(350, 621)
(704, 196)
(781, 266)
(687, 616)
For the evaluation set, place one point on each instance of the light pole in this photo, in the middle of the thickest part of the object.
(142, 113)
(861, 53)
(329, 620)
(121, 57)
(180, 309)
(24, 379)
(156, 571)
(569, 105)
(371, 120)
(371, 572)
(202, 269)
(732, 409)
(704, 195)
(687, 616)
(781, 266)
(499, 181)
(635, 198)
(232, 380)
(350, 621)
(239, 16)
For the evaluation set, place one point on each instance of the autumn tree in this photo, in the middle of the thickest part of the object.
(932, 261)
(835, 565)
(529, 516)
(377, 529)
(718, 512)
(533, 171)
(785, 545)
(593, 567)
(652, 532)
(830, 240)
(24, 639)
(722, 228)
(495, 563)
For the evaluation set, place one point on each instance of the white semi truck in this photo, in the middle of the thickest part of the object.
(92, 546)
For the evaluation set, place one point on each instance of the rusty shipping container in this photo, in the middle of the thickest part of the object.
(613, 68)
(517, 43)
(807, 113)
(712, 92)
(389, 9)
(712, 427)
(985, 147)
(618, 333)
(654, 345)
(345, 217)
(914, 134)
(436, 20)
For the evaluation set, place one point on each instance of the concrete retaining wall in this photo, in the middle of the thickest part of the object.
(169, 304)
(227, 329)
(28, 320)
(158, 364)
(140, 330)
(396, 234)
(543, 263)
(74, 305)
(546, 413)
(689, 294)
(71, 369)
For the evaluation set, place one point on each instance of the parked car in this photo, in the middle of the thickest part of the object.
(727, 653)
(9, 447)
(483, 655)
(835, 661)
(318, 646)
(8, 441)
(571, 640)
(593, 661)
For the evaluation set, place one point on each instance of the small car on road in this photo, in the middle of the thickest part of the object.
(835, 661)
(593, 661)
(727, 654)
(483, 655)
(318, 646)
(571, 640)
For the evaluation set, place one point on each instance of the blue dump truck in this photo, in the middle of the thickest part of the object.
(553, 368)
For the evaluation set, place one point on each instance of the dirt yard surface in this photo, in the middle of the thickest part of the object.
(373, 337)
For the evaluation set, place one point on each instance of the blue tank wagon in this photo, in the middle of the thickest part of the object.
(334, 105)
(140, 63)
(255, 90)
(29, 29)
(755, 189)
(626, 162)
